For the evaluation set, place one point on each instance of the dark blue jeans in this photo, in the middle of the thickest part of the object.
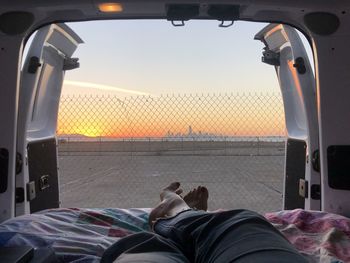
(197, 236)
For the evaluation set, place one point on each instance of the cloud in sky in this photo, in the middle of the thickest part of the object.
(103, 87)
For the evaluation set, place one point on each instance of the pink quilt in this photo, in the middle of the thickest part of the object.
(82, 235)
(322, 237)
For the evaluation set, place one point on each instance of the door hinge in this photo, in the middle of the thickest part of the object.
(19, 195)
(31, 193)
(4, 169)
(71, 63)
(270, 57)
(316, 191)
(19, 163)
(316, 160)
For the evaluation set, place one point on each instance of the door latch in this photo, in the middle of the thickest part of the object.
(44, 182)
(303, 188)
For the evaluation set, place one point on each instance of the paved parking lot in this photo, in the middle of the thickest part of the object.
(133, 179)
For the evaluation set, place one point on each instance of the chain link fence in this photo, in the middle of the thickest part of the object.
(120, 152)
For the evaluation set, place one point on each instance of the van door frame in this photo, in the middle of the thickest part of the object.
(10, 59)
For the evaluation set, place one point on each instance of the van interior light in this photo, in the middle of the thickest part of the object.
(110, 7)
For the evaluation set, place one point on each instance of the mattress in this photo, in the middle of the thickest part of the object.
(82, 235)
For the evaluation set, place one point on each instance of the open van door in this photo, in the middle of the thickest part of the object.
(285, 51)
(49, 56)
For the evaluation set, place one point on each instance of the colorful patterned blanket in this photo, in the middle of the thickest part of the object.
(321, 237)
(76, 235)
(82, 235)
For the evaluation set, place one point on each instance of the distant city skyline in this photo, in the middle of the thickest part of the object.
(192, 133)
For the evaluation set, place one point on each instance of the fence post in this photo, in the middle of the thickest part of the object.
(100, 146)
(258, 145)
(131, 146)
(68, 148)
(193, 144)
(225, 151)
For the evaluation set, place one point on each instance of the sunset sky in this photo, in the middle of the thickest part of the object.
(153, 58)
(157, 58)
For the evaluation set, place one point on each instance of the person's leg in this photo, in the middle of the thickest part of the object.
(229, 236)
(143, 247)
(197, 236)
(150, 247)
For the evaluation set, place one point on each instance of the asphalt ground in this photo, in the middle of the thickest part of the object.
(246, 176)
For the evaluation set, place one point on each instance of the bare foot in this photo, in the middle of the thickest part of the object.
(197, 198)
(171, 203)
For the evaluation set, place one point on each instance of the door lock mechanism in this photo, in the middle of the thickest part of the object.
(44, 182)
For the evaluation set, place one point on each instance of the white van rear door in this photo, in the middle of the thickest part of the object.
(49, 56)
(285, 51)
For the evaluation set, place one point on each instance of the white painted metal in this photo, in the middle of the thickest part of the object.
(40, 92)
(10, 57)
(299, 95)
(333, 81)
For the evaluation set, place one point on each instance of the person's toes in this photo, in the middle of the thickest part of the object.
(191, 198)
(192, 193)
(204, 192)
(188, 197)
(199, 191)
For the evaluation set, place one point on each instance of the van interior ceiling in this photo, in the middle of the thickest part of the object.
(59, 151)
